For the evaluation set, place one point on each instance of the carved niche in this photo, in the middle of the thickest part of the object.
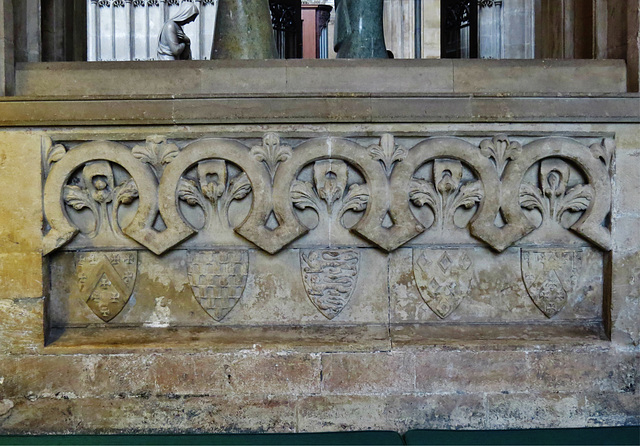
(331, 196)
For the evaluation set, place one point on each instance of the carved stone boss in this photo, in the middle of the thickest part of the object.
(378, 186)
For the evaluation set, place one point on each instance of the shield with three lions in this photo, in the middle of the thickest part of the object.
(106, 280)
(218, 279)
(550, 276)
(329, 277)
(443, 277)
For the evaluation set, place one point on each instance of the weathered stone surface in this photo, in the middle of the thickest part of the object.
(451, 371)
(21, 275)
(597, 371)
(396, 412)
(150, 415)
(21, 326)
(549, 410)
(627, 181)
(379, 373)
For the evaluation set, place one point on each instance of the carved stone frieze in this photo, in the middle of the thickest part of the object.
(159, 193)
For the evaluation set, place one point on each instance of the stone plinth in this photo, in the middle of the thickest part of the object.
(291, 262)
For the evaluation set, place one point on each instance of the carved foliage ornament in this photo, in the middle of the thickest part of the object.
(380, 183)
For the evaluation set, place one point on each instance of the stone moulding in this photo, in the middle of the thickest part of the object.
(156, 182)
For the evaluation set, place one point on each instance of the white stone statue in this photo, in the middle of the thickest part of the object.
(173, 43)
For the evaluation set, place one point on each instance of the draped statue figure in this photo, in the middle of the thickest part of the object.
(359, 29)
(173, 43)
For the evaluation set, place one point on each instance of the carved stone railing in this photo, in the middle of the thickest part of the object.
(216, 200)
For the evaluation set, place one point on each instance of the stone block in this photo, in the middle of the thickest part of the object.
(393, 412)
(243, 373)
(21, 275)
(369, 76)
(586, 369)
(437, 411)
(531, 411)
(224, 414)
(21, 183)
(43, 376)
(368, 373)
(627, 179)
(452, 371)
(21, 326)
(546, 76)
(625, 302)
(611, 408)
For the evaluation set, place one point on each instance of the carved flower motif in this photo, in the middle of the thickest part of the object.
(327, 193)
(552, 199)
(447, 194)
(388, 153)
(157, 153)
(271, 153)
(501, 150)
(95, 190)
(214, 191)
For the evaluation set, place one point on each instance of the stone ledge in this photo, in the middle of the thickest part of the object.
(33, 112)
(406, 76)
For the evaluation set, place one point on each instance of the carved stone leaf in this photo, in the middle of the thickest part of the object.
(604, 151)
(468, 196)
(423, 192)
(531, 197)
(576, 199)
(239, 188)
(78, 198)
(356, 199)
(501, 150)
(126, 192)
(55, 154)
(271, 153)
(303, 196)
(156, 152)
(188, 191)
(388, 153)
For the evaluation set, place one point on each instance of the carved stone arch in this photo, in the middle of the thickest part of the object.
(339, 149)
(406, 226)
(253, 228)
(62, 231)
(589, 225)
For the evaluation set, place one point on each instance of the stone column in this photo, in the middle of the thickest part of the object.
(7, 56)
(243, 31)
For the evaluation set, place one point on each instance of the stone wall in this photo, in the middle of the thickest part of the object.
(372, 261)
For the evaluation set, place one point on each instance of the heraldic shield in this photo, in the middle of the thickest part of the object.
(443, 277)
(329, 277)
(218, 279)
(106, 280)
(550, 276)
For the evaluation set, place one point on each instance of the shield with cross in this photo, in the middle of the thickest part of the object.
(106, 280)
(218, 279)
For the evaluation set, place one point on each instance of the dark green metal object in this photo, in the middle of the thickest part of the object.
(243, 31)
(359, 29)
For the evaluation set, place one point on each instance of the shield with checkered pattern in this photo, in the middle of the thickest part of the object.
(218, 279)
